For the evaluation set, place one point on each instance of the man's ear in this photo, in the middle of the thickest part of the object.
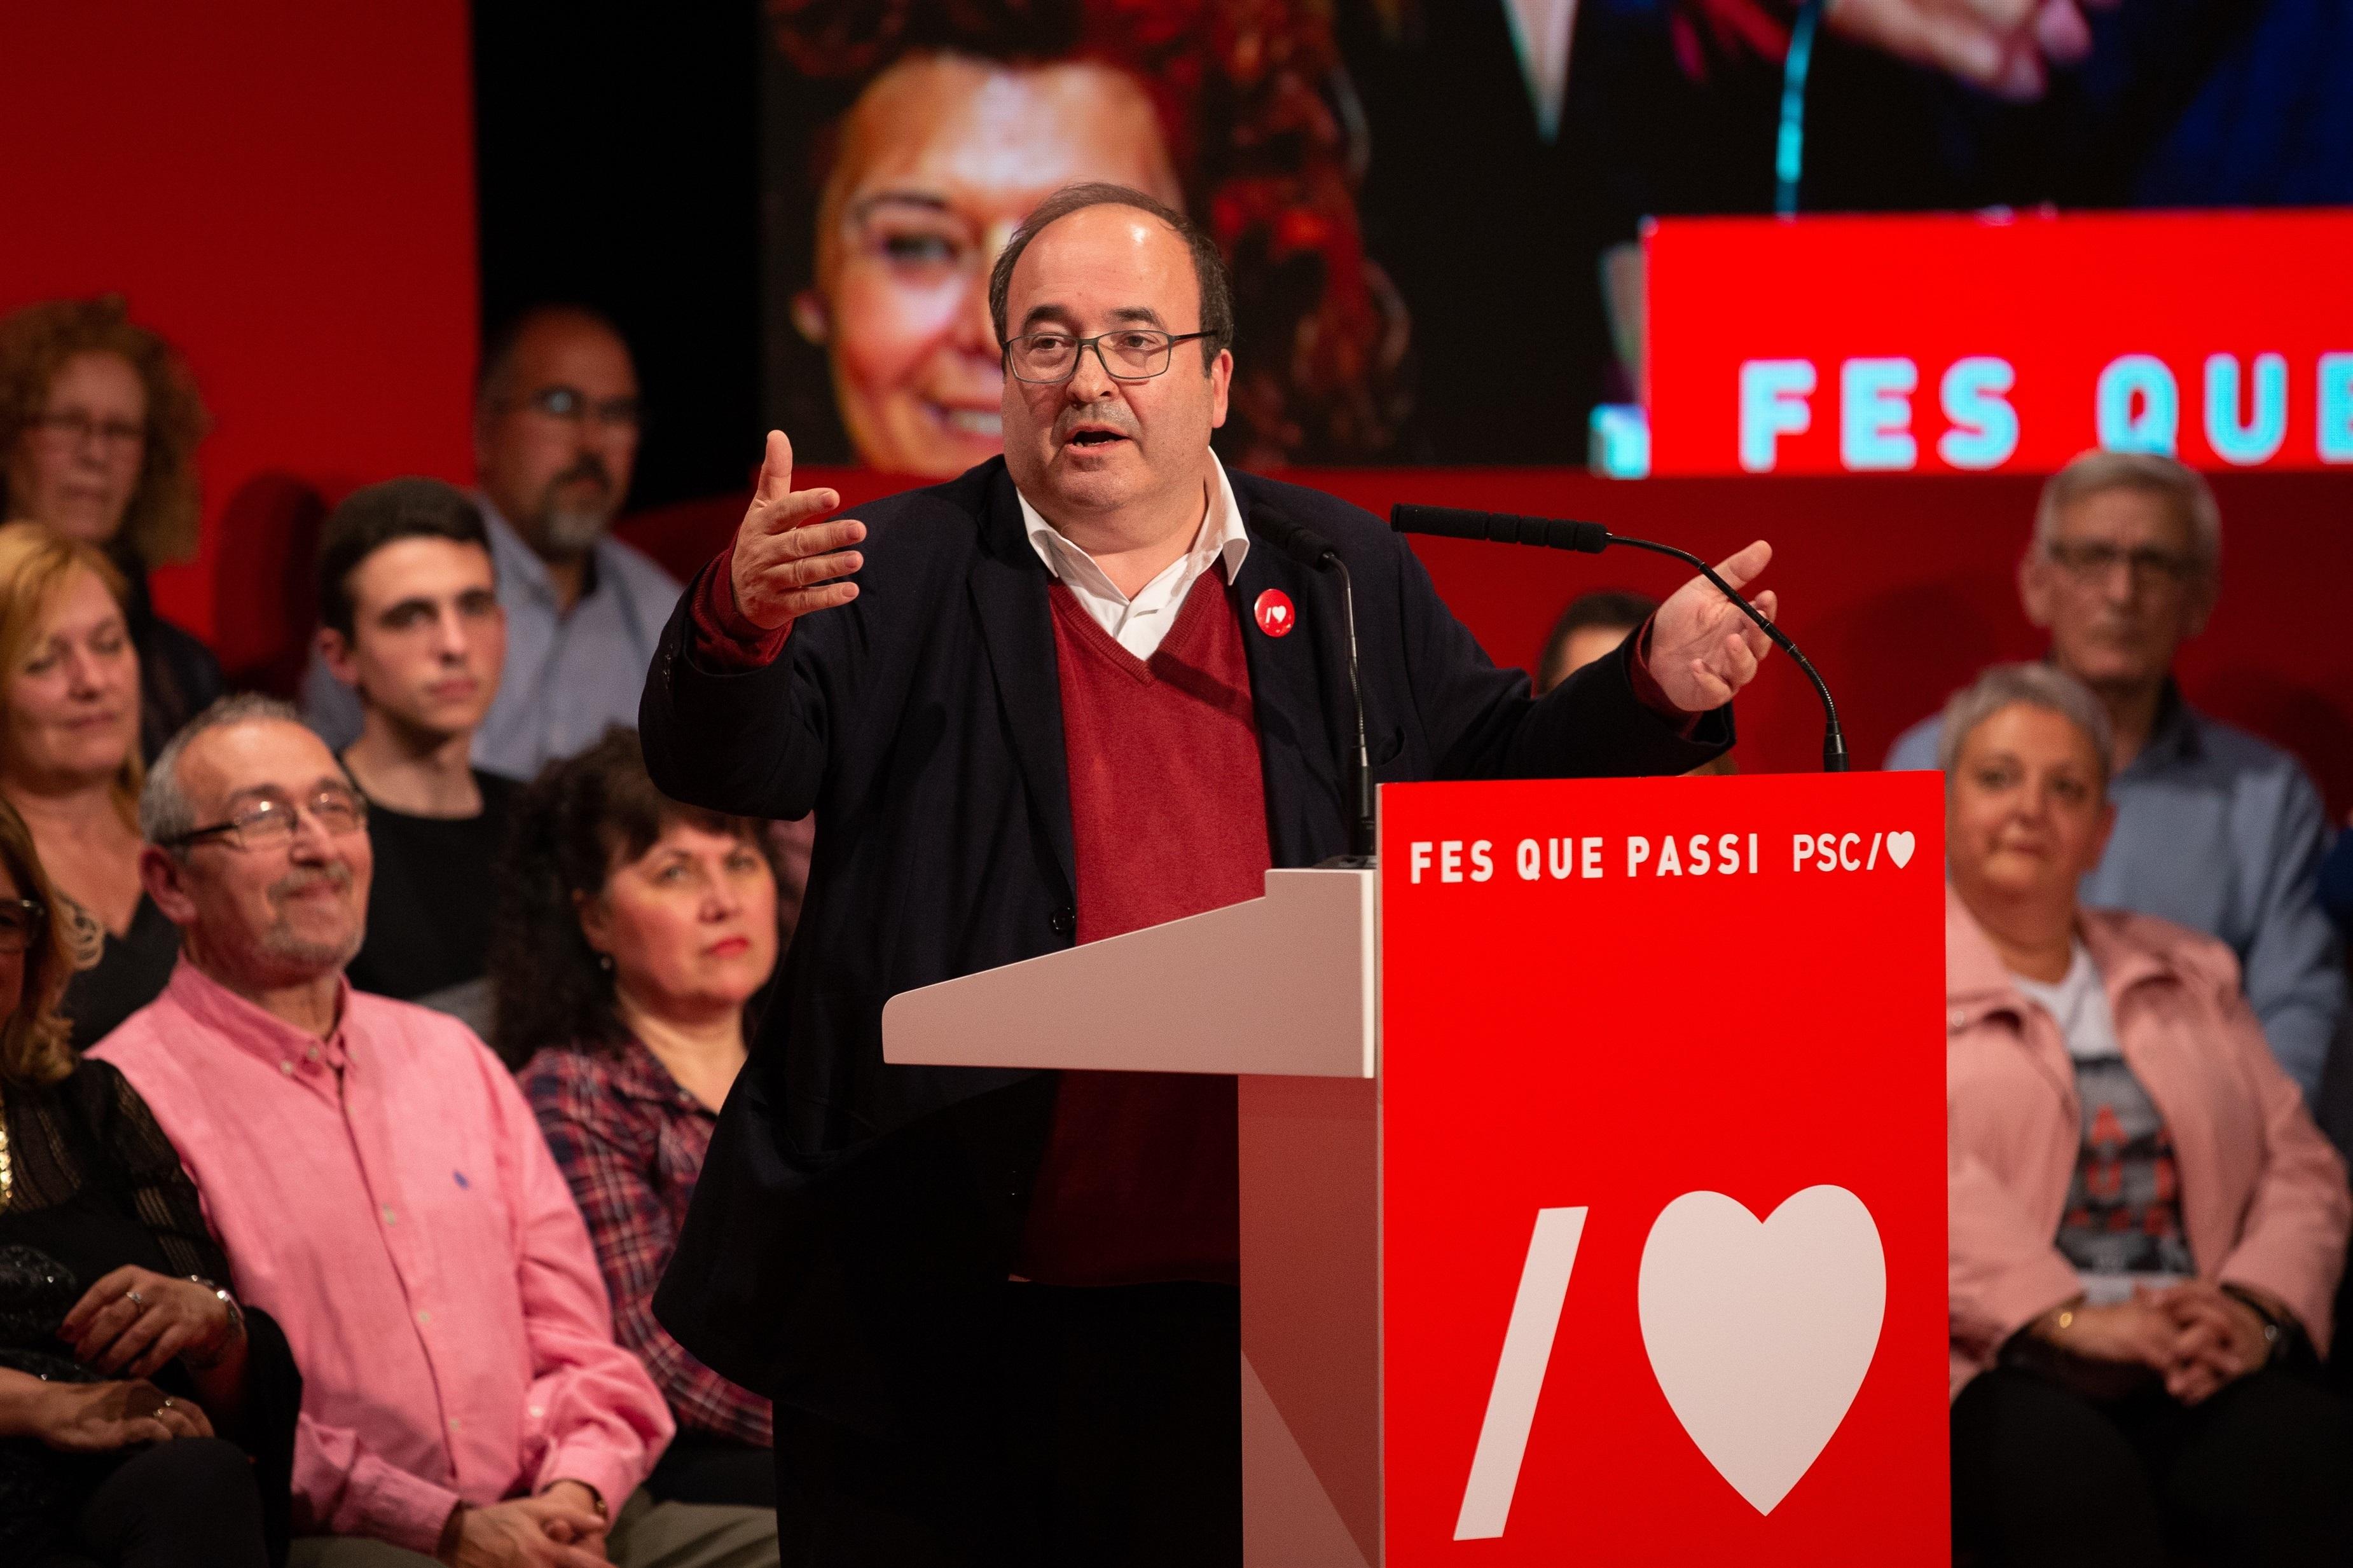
(164, 875)
(1221, 378)
(335, 653)
(2034, 587)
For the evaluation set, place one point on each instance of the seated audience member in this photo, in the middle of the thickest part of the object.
(555, 435)
(631, 933)
(1591, 628)
(379, 1185)
(69, 764)
(2147, 1227)
(411, 622)
(2215, 829)
(99, 426)
(146, 1419)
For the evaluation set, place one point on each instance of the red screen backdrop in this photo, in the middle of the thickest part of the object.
(286, 191)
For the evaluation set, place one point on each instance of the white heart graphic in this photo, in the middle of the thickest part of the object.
(1277, 614)
(1899, 849)
(1760, 1334)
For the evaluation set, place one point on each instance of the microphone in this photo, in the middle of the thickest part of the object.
(1311, 549)
(1592, 539)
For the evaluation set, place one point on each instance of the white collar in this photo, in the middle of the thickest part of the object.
(1221, 535)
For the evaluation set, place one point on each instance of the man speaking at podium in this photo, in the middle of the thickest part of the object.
(1073, 692)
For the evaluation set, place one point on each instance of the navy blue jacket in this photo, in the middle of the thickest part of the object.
(854, 1219)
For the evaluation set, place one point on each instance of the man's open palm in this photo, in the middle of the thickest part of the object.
(787, 566)
(1702, 649)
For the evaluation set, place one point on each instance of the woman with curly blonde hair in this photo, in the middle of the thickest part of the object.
(99, 426)
(70, 764)
(146, 1418)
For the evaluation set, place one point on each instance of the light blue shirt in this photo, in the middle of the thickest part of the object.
(567, 677)
(2222, 833)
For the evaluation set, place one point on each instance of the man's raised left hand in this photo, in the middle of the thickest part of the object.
(1702, 649)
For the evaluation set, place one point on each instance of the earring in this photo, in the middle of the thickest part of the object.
(604, 962)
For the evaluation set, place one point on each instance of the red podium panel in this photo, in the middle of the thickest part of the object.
(1662, 1179)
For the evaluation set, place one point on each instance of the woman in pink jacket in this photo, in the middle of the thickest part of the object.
(2146, 1225)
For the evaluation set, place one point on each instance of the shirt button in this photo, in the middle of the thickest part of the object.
(425, 1317)
(1956, 1019)
(286, 1068)
(1064, 920)
(388, 1217)
(455, 1423)
(312, 1055)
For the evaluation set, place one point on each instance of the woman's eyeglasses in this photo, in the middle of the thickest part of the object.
(21, 920)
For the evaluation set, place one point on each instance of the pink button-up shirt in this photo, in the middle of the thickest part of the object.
(386, 1195)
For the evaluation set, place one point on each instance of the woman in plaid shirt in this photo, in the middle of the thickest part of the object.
(632, 930)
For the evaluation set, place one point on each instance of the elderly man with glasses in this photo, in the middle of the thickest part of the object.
(556, 419)
(2215, 829)
(381, 1189)
(1081, 689)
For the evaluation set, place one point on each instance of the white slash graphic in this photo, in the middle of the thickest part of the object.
(1519, 1374)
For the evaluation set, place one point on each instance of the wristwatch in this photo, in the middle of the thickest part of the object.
(235, 1325)
(2277, 1336)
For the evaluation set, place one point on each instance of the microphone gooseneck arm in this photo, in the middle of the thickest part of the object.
(1592, 539)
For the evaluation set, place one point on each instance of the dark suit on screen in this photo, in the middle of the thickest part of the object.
(854, 1219)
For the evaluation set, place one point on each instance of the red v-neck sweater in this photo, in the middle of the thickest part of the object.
(1168, 819)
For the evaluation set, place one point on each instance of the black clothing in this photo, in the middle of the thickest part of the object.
(95, 1186)
(429, 907)
(1109, 1435)
(699, 1467)
(853, 1220)
(132, 971)
(2255, 1475)
(178, 676)
(187, 1503)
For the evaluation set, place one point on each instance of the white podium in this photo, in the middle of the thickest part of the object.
(1291, 1012)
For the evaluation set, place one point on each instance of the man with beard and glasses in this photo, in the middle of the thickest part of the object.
(555, 435)
(382, 1191)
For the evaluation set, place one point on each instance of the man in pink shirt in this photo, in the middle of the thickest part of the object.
(382, 1189)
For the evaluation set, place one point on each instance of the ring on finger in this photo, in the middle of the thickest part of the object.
(135, 1299)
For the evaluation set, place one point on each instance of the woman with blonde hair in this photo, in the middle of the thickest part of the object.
(146, 1419)
(69, 764)
(99, 426)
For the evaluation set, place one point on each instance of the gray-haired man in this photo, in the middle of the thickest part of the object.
(2215, 829)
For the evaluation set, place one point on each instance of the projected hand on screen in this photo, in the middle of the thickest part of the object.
(1702, 649)
(786, 565)
(2005, 46)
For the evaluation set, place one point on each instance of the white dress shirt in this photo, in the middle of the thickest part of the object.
(1138, 624)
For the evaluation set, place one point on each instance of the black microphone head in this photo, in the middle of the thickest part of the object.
(1302, 544)
(1503, 527)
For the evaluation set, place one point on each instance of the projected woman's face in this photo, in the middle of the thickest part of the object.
(940, 159)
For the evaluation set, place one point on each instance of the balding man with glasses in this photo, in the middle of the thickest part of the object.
(2215, 830)
(1075, 691)
(382, 1191)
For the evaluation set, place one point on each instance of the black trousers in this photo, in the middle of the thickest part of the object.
(699, 1467)
(1107, 1434)
(2261, 1474)
(187, 1503)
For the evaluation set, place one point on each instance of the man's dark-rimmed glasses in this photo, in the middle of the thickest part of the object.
(1129, 353)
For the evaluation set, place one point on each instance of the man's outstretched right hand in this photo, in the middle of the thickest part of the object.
(785, 566)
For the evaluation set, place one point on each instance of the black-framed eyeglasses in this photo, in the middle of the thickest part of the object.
(271, 820)
(1129, 353)
(21, 921)
(575, 407)
(2094, 560)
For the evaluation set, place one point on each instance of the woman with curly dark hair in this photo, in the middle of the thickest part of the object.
(99, 426)
(931, 130)
(631, 933)
(146, 1418)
